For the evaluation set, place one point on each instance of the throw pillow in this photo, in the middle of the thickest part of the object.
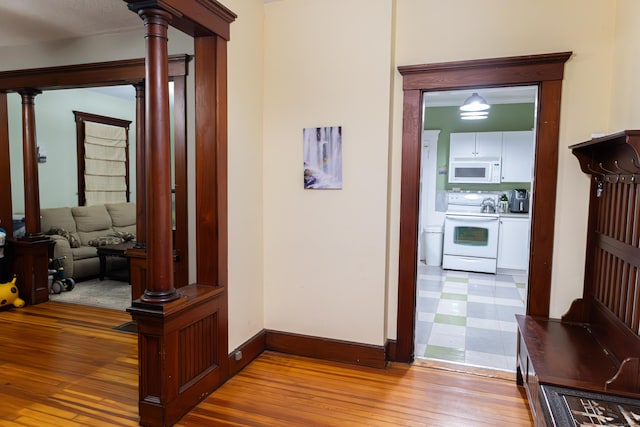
(73, 240)
(125, 236)
(105, 240)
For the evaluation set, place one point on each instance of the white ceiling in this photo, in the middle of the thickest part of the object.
(35, 21)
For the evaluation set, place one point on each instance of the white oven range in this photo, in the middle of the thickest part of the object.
(470, 235)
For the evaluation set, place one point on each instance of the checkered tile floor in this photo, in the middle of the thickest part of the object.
(468, 317)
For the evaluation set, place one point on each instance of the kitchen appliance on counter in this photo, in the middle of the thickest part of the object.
(470, 236)
(519, 201)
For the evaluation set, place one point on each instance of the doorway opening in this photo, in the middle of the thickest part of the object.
(474, 222)
(546, 72)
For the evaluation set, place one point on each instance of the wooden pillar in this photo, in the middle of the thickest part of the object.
(30, 161)
(6, 211)
(30, 254)
(183, 342)
(141, 168)
(160, 284)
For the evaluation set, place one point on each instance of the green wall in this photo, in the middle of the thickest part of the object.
(56, 131)
(505, 117)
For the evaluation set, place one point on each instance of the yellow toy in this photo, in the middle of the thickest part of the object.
(9, 294)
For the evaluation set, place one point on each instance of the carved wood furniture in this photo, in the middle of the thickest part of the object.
(595, 346)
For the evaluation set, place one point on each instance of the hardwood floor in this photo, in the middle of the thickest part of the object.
(64, 365)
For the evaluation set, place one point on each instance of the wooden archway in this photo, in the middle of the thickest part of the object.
(182, 333)
(33, 284)
(546, 72)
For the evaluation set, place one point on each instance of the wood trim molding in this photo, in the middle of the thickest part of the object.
(495, 71)
(546, 72)
(128, 71)
(309, 346)
(391, 350)
(250, 349)
(326, 349)
(198, 18)
(81, 118)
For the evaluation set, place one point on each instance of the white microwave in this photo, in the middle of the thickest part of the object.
(474, 170)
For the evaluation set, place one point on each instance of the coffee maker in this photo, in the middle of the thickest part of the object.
(519, 201)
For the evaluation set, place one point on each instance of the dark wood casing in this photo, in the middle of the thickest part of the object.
(546, 72)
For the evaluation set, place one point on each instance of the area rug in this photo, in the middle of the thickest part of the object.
(131, 327)
(106, 293)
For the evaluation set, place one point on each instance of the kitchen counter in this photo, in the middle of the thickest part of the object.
(494, 214)
(514, 215)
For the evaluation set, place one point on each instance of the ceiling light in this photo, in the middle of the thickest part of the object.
(474, 115)
(475, 103)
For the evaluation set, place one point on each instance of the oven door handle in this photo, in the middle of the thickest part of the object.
(473, 218)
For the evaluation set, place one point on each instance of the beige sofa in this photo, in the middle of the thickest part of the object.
(78, 231)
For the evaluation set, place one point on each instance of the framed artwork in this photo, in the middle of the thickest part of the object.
(579, 408)
(322, 157)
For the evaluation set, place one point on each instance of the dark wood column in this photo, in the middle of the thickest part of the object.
(6, 207)
(141, 168)
(6, 211)
(30, 162)
(182, 333)
(160, 285)
(30, 254)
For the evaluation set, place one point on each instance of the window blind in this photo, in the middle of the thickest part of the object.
(105, 152)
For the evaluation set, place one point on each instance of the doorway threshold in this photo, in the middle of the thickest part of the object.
(464, 368)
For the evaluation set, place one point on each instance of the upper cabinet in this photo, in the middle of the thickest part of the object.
(514, 149)
(475, 144)
(517, 156)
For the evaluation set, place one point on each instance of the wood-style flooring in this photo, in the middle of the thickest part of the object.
(64, 365)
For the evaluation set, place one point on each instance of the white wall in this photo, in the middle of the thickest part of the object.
(315, 268)
(625, 109)
(246, 246)
(327, 63)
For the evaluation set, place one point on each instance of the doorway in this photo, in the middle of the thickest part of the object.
(473, 233)
(546, 72)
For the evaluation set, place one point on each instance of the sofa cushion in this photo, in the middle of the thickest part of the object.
(84, 252)
(122, 214)
(123, 217)
(92, 222)
(57, 217)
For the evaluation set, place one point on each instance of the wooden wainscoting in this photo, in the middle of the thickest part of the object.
(65, 365)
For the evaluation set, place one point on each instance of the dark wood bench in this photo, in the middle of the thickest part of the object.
(599, 356)
(595, 346)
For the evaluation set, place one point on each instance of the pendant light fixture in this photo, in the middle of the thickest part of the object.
(474, 108)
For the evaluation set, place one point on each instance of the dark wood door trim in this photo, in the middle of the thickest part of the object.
(81, 118)
(545, 71)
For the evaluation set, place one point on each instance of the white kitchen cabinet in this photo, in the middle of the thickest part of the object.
(475, 144)
(513, 243)
(517, 156)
